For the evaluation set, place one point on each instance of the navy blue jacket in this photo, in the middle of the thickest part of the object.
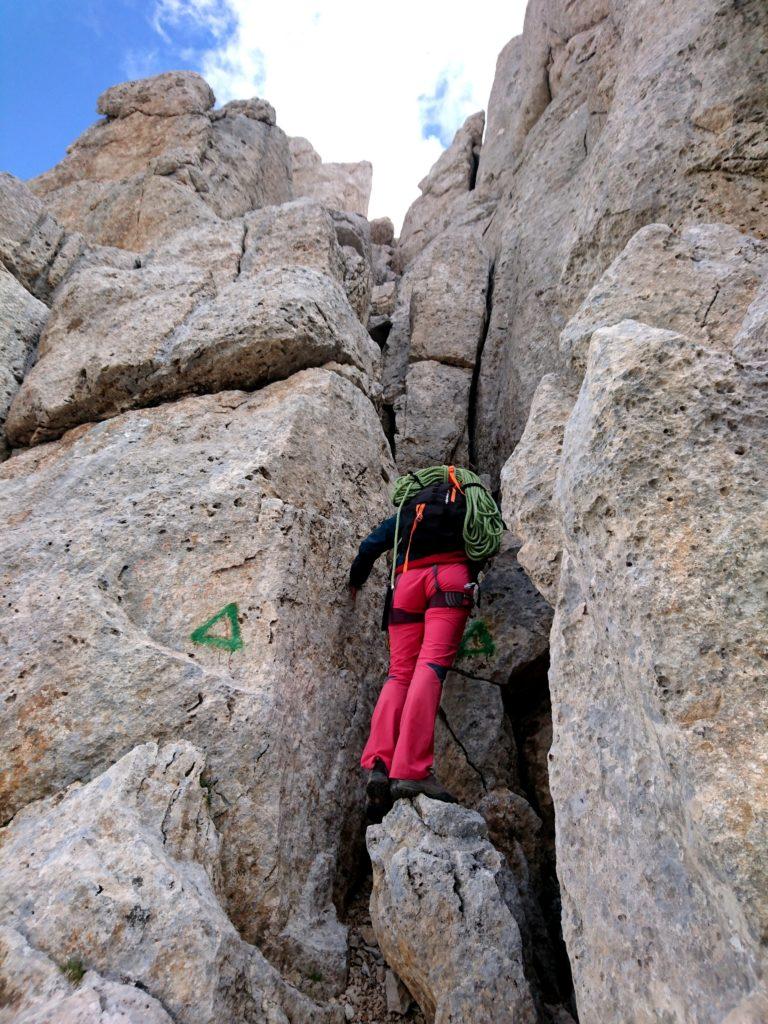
(376, 543)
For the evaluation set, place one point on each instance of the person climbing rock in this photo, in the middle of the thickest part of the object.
(445, 528)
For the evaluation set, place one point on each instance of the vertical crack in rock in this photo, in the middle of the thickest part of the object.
(472, 404)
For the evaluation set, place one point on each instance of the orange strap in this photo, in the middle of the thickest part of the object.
(419, 516)
(454, 479)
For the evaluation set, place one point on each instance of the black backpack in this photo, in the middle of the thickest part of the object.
(433, 521)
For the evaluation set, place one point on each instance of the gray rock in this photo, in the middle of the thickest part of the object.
(382, 231)
(398, 997)
(162, 162)
(22, 317)
(698, 281)
(657, 679)
(118, 339)
(170, 94)
(451, 177)
(120, 875)
(432, 416)
(615, 117)
(441, 900)
(38, 991)
(354, 236)
(34, 247)
(448, 301)
(528, 480)
(125, 537)
(495, 166)
(340, 186)
(383, 299)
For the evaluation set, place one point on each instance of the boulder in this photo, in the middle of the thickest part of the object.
(22, 317)
(38, 991)
(382, 231)
(188, 563)
(443, 909)
(118, 876)
(452, 176)
(432, 416)
(448, 301)
(168, 95)
(193, 317)
(340, 186)
(657, 679)
(162, 161)
(698, 281)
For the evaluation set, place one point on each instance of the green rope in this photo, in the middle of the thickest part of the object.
(483, 525)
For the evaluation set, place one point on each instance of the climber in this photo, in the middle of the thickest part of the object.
(446, 526)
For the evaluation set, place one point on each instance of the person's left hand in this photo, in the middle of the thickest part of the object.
(352, 592)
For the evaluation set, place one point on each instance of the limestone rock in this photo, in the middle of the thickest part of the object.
(528, 480)
(170, 94)
(474, 746)
(382, 231)
(125, 537)
(441, 900)
(432, 416)
(657, 679)
(383, 299)
(163, 162)
(120, 875)
(33, 246)
(698, 281)
(38, 991)
(452, 176)
(340, 186)
(496, 167)
(121, 338)
(354, 236)
(448, 301)
(513, 621)
(615, 117)
(22, 317)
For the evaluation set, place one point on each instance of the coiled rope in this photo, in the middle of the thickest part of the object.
(483, 525)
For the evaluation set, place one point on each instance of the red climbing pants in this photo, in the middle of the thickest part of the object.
(425, 628)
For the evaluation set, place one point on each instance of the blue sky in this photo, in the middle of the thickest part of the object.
(388, 84)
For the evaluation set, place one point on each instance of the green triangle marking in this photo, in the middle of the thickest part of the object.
(476, 642)
(233, 642)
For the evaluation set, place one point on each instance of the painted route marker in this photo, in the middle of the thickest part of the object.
(233, 642)
(476, 642)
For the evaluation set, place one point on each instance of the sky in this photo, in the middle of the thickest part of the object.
(389, 83)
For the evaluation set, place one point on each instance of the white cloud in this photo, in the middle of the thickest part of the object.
(360, 81)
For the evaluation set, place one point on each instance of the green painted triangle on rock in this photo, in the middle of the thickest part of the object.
(477, 641)
(233, 642)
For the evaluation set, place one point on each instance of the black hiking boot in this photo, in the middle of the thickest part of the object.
(408, 788)
(378, 798)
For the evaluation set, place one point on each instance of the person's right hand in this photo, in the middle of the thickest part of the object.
(352, 592)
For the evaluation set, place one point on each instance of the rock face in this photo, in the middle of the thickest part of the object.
(208, 335)
(443, 898)
(132, 861)
(613, 117)
(341, 186)
(38, 991)
(652, 486)
(164, 160)
(656, 654)
(173, 514)
(451, 177)
(22, 317)
(122, 338)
